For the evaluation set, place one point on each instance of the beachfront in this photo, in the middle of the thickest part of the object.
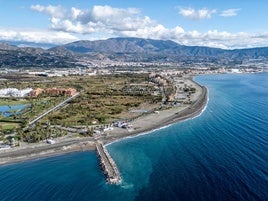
(141, 125)
(162, 118)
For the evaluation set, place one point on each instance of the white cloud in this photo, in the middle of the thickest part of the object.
(230, 12)
(75, 13)
(212, 38)
(155, 32)
(104, 12)
(56, 11)
(37, 36)
(98, 19)
(103, 22)
(225, 40)
(193, 14)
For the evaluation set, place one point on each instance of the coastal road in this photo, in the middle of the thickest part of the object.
(54, 108)
(39, 150)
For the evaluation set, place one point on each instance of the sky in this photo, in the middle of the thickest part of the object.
(226, 24)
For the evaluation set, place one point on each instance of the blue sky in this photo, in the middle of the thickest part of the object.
(226, 24)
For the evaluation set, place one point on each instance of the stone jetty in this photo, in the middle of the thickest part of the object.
(108, 165)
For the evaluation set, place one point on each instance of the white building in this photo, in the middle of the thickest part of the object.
(13, 92)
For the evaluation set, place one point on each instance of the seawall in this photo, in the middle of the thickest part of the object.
(108, 165)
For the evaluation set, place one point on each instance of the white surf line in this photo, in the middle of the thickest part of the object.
(163, 127)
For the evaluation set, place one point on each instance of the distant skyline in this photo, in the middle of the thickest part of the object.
(225, 24)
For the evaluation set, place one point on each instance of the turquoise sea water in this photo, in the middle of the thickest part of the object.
(220, 155)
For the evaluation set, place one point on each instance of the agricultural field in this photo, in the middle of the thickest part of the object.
(106, 98)
(103, 99)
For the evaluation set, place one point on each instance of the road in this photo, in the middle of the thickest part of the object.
(36, 150)
(54, 108)
(30, 152)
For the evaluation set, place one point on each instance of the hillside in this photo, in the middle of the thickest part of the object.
(12, 56)
(122, 49)
(138, 46)
(167, 49)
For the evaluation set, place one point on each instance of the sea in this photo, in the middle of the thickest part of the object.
(221, 154)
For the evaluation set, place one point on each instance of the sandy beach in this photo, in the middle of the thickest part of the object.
(154, 121)
(143, 124)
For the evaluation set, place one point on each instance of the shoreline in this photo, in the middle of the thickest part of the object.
(163, 126)
(46, 151)
(141, 127)
(183, 115)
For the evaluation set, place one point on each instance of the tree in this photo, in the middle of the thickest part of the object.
(20, 134)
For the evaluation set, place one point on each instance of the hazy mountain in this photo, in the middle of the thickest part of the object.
(122, 49)
(159, 48)
(29, 44)
(12, 56)
(138, 46)
(6, 46)
(121, 45)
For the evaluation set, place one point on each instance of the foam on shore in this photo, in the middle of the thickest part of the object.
(138, 134)
(203, 110)
(163, 127)
(79, 146)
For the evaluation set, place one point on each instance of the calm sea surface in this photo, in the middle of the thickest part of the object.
(220, 155)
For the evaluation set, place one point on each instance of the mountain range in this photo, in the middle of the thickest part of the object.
(124, 50)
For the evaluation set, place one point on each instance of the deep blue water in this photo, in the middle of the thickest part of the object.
(220, 155)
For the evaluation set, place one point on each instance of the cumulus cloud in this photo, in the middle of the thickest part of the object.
(98, 19)
(223, 39)
(37, 36)
(56, 11)
(212, 38)
(193, 14)
(230, 12)
(101, 22)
